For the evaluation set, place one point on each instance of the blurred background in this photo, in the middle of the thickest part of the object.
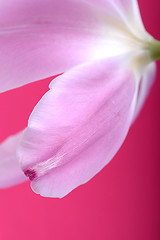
(120, 203)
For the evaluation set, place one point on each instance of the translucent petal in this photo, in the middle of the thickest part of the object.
(78, 126)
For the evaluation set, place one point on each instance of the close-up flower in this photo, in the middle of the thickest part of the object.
(106, 61)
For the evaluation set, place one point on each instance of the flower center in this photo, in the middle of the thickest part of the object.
(154, 48)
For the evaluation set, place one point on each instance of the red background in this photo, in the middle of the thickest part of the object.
(120, 203)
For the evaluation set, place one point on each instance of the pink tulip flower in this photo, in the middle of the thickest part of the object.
(108, 60)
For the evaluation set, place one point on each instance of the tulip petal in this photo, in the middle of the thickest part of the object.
(39, 38)
(130, 14)
(10, 171)
(145, 86)
(127, 11)
(78, 126)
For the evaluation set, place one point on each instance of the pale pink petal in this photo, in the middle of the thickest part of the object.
(145, 86)
(127, 11)
(10, 171)
(78, 126)
(39, 38)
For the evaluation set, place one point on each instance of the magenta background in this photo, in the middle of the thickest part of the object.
(120, 203)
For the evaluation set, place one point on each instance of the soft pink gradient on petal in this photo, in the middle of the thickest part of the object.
(10, 171)
(42, 38)
(78, 126)
(39, 39)
(18, 13)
